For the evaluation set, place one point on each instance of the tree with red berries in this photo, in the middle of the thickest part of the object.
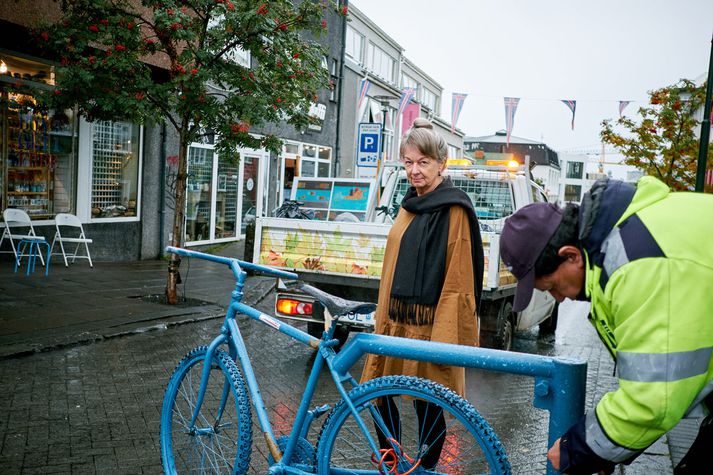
(663, 143)
(175, 61)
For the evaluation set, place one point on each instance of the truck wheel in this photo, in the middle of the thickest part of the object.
(548, 326)
(501, 335)
(340, 333)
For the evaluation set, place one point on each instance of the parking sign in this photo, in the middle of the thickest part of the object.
(369, 144)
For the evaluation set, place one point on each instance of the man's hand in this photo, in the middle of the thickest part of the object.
(553, 455)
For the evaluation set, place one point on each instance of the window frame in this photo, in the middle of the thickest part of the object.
(85, 176)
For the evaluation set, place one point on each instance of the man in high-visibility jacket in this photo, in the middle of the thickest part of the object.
(643, 256)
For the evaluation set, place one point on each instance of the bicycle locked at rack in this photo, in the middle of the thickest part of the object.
(399, 425)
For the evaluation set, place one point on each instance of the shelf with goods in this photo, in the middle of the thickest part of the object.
(29, 163)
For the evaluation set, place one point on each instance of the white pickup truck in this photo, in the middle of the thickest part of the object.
(344, 255)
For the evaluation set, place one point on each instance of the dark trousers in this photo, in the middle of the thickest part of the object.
(698, 459)
(431, 428)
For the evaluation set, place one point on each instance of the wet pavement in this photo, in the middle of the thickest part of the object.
(95, 407)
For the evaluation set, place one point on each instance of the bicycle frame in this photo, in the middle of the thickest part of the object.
(559, 382)
(230, 335)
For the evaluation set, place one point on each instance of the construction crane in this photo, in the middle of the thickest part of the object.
(600, 151)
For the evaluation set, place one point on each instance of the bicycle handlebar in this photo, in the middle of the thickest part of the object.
(235, 264)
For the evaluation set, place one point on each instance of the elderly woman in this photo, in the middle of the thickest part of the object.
(431, 279)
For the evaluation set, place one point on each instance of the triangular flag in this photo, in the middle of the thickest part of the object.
(572, 105)
(510, 108)
(622, 106)
(363, 89)
(406, 96)
(456, 107)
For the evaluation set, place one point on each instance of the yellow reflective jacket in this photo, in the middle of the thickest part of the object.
(649, 276)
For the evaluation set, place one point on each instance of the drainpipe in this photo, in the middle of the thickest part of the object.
(162, 199)
(705, 129)
(337, 144)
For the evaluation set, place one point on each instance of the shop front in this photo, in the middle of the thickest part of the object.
(223, 194)
(52, 161)
(303, 160)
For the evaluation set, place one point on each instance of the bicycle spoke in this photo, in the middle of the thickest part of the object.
(429, 429)
(220, 441)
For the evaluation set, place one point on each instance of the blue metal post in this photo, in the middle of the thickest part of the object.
(559, 382)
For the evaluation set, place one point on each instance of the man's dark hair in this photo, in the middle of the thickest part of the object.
(567, 234)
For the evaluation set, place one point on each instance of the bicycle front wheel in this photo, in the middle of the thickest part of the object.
(221, 440)
(419, 426)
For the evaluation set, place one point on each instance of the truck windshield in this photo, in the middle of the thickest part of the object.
(492, 199)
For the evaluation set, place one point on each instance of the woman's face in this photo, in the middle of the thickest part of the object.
(423, 172)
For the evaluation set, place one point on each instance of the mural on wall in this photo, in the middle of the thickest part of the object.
(339, 252)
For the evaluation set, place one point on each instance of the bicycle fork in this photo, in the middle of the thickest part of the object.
(380, 459)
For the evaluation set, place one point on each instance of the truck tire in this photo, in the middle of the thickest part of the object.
(499, 331)
(548, 326)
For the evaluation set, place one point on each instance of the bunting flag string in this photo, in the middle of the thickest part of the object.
(456, 106)
(622, 106)
(510, 108)
(406, 96)
(572, 105)
(363, 89)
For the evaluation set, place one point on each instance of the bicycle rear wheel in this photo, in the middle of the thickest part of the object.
(221, 440)
(459, 442)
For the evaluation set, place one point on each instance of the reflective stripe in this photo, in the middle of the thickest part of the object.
(614, 253)
(601, 444)
(629, 241)
(663, 367)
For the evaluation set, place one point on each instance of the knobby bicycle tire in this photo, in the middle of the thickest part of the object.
(470, 445)
(224, 427)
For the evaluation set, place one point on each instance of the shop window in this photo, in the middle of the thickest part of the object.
(199, 193)
(37, 155)
(115, 169)
(575, 169)
(316, 161)
(572, 193)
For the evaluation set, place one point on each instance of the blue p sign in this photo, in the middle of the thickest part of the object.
(369, 143)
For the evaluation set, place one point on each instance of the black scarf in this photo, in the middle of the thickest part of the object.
(421, 263)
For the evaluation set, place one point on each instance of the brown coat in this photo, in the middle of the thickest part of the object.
(455, 320)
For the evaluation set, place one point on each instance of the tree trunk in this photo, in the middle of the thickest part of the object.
(178, 234)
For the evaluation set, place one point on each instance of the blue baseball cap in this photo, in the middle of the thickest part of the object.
(525, 235)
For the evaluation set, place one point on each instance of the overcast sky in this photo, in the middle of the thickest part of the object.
(596, 52)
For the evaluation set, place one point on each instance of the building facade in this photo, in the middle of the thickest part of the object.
(372, 56)
(119, 178)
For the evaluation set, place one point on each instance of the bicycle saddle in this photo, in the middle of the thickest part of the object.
(336, 305)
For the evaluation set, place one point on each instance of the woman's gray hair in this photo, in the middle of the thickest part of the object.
(425, 139)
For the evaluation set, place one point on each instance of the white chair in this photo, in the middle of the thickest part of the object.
(18, 227)
(74, 233)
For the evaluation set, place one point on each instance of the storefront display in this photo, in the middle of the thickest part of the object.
(37, 149)
(30, 164)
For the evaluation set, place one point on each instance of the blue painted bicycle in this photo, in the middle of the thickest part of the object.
(396, 424)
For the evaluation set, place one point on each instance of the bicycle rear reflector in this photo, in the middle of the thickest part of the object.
(288, 306)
